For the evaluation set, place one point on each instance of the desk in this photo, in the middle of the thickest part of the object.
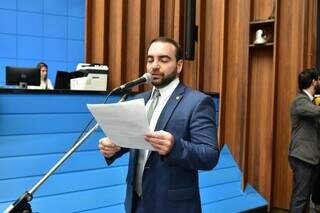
(38, 126)
(36, 129)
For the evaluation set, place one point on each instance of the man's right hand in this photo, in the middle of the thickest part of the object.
(107, 148)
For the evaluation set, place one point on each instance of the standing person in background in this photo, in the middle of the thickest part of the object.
(304, 150)
(45, 82)
(315, 205)
(182, 132)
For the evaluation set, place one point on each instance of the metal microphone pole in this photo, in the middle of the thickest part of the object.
(21, 205)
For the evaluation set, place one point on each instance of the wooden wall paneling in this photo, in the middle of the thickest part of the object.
(178, 20)
(311, 33)
(260, 120)
(168, 17)
(274, 15)
(262, 9)
(212, 58)
(201, 41)
(118, 33)
(287, 78)
(95, 51)
(189, 74)
(291, 59)
(153, 10)
(134, 41)
(153, 20)
(223, 82)
(259, 129)
(190, 69)
(87, 30)
(116, 42)
(235, 79)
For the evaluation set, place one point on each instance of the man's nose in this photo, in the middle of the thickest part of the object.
(155, 65)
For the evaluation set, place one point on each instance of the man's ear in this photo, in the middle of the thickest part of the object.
(179, 65)
(314, 82)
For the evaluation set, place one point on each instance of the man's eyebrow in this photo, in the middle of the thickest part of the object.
(164, 56)
(160, 56)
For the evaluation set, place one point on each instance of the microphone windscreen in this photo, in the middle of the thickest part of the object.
(148, 77)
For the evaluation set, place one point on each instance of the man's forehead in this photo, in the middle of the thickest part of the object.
(161, 49)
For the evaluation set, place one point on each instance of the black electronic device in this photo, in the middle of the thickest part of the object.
(190, 29)
(22, 76)
(62, 80)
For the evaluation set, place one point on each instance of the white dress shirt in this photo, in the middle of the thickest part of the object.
(308, 94)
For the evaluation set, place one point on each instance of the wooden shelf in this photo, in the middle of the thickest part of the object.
(267, 26)
(261, 22)
(261, 45)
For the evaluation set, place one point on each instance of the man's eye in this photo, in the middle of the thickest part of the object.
(164, 60)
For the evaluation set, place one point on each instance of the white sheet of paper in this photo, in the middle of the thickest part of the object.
(124, 123)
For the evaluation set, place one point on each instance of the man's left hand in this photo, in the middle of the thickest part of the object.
(161, 140)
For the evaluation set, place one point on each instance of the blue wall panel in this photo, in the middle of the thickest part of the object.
(30, 5)
(241, 203)
(8, 46)
(27, 62)
(76, 8)
(36, 130)
(74, 50)
(3, 63)
(7, 26)
(30, 24)
(36, 30)
(29, 47)
(54, 30)
(57, 7)
(75, 28)
(38, 144)
(71, 65)
(8, 4)
(55, 49)
(65, 182)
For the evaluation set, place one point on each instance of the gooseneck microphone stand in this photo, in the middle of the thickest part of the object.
(21, 205)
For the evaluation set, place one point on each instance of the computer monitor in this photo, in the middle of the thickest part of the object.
(22, 76)
(62, 80)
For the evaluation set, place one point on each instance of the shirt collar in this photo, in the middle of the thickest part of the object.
(308, 94)
(167, 90)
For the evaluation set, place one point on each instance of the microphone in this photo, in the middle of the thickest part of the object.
(146, 78)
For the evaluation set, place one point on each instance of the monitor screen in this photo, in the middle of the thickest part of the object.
(62, 80)
(22, 76)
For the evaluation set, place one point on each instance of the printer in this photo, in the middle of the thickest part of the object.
(93, 77)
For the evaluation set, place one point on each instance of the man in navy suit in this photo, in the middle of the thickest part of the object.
(184, 137)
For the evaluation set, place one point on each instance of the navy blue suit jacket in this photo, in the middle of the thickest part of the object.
(170, 183)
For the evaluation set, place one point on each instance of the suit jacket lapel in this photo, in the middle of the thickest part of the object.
(172, 103)
(147, 96)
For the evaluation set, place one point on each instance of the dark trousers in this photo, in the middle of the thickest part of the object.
(316, 187)
(304, 176)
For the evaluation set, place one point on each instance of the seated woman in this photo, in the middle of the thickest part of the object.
(45, 81)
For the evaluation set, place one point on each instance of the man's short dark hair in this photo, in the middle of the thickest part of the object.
(179, 53)
(306, 77)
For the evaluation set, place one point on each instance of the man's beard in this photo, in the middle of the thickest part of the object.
(166, 80)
